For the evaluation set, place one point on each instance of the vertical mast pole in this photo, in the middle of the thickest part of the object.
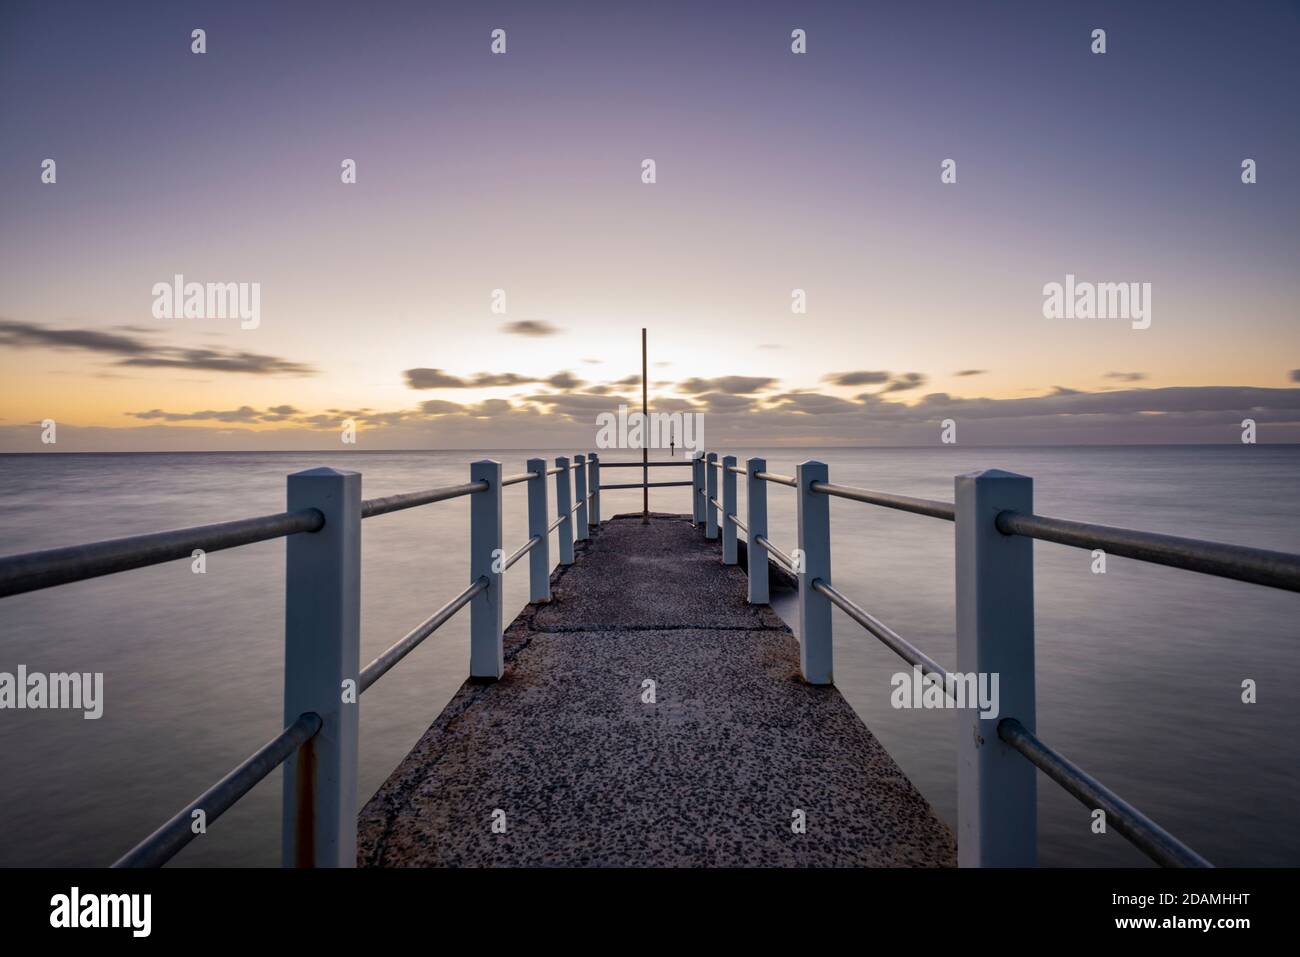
(645, 438)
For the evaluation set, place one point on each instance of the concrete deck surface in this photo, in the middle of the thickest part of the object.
(708, 775)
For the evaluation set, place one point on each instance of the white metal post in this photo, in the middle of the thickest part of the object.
(539, 559)
(756, 519)
(728, 510)
(710, 493)
(593, 475)
(564, 510)
(486, 560)
(697, 489)
(580, 531)
(813, 561)
(997, 796)
(322, 659)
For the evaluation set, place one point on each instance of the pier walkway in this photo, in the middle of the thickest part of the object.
(569, 754)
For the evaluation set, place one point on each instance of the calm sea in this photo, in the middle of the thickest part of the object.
(1139, 669)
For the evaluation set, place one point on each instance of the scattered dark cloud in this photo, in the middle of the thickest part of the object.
(531, 327)
(730, 384)
(565, 380)
(1126, 376)
(905, 382)
(422, 378)
(966, 372)
(722, 402)
(1295, 375)
(1174, 414)
(243, 414)
(813, 403)
(132, 350)
(862, 377)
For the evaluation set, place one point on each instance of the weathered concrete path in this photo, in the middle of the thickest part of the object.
(710, 774)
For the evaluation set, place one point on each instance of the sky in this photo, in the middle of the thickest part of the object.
(775, 171)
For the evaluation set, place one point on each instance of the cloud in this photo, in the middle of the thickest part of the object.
(966, 372)
(422, 378)
(856, 378)
(243, 414)
(905, 382)
(1295, 375)
(730, 384)
(531, 327)
(565, 380)
(440, 407)
(722, 402)
(1062, 416)
(810, 403)
(1126, 376)
(433, 379)
(134, 351)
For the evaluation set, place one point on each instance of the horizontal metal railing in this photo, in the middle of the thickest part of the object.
(778, 479)
(637, 465)
(396, 503)
(904, 503)
(61, 566)
(785, 560)
(166, 842)
(645, 484)
(412, 639)
(891, 639)
(516, 479)
(1144, 833)
(1256, 565)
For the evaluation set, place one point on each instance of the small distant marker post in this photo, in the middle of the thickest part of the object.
(645, 448)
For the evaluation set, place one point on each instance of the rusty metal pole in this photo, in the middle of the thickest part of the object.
(645, 437)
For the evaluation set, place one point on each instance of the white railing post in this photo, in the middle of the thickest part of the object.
(564, 509)
(728, 510)
(697, 489)
(580, 531)
(539, 516)
(756, 519)
(486, 558)
(997, 797)
(593, 476)
(813, 561)
(322, 659)
(710, 493)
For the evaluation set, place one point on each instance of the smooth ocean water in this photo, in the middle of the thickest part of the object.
(1139, 670)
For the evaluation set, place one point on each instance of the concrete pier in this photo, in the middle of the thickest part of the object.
(566, 761)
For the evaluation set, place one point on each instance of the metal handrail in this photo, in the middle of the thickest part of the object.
(735, 520)
(560, 519)
(515, 479)
(1256, 565)
(645, 485)
(523, 550)
(715, 503)
(1144, 833)
(399, 650)
(637, 465)
(890, 638)
(737, 469)
(59, 566)
(778, 479)
(166, 842)
(396, 503)
(554, 470)
(904, 503)
(785, 559)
